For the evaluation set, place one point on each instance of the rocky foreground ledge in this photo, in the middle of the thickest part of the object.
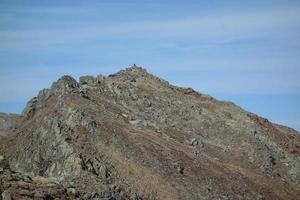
(132, 135)
(14, 185)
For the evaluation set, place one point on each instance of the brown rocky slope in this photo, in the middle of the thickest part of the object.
(132, 135)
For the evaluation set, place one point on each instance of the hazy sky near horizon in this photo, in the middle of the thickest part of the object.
(247, 52)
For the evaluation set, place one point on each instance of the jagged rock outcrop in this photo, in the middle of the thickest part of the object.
(132, 135)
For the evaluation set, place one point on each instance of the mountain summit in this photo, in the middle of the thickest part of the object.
(132, 135)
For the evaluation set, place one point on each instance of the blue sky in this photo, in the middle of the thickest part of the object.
(247, 52)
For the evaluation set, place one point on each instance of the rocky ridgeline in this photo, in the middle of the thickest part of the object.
(132, 135)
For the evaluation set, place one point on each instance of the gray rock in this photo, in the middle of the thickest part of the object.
(87, 80)
(194, 142)
(6, 195)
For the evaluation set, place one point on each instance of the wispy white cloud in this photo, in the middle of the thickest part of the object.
(218, 29)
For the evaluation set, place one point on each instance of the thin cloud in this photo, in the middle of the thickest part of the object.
(223, 28)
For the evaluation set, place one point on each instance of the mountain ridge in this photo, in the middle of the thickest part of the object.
(132, 135)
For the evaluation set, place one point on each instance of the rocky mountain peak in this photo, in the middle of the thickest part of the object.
(136, 70)
(132, 135)
(133, 71)
(64, 84)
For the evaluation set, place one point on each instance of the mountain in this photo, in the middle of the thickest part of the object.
(132, 135)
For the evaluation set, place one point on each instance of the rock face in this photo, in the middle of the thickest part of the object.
(14, 185)
(132, 135)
